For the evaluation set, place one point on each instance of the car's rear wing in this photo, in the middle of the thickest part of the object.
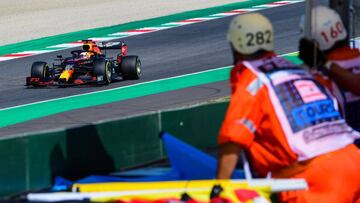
(110, 45)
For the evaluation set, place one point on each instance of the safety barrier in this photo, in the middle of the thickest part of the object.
(31, 162)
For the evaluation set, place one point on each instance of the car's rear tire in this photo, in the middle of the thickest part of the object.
(130, 68)
(103, 72)
(40, 69)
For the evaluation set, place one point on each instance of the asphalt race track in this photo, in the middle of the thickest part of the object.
(164, 54)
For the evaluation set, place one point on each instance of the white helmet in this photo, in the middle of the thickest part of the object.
(249, 33)
(327, 27)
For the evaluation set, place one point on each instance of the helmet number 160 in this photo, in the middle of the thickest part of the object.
(334, 32)
(258, 38)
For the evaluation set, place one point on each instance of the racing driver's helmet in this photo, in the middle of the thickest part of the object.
(327, 27)
(249, 33)
(85, 55)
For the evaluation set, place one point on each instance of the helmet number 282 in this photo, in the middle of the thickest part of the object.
(334, 32)
(258, 38)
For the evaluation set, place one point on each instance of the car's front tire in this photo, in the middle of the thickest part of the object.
(40, 69)
(103, 72)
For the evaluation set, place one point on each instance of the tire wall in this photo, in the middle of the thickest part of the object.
(32, 161)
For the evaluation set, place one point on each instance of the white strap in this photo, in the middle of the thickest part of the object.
(246, 166)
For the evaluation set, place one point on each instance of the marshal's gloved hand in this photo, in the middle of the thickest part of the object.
(311, 54)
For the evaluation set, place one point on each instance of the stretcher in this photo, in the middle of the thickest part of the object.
(199, 190)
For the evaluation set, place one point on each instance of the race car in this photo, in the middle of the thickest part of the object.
(88, 65)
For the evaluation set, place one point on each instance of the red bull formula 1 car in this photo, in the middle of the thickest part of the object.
(88, 65)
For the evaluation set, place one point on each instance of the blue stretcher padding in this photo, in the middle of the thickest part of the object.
(187, 163)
